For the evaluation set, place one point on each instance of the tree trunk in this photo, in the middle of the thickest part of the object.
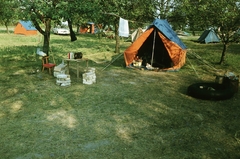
(223, 54)
(46, 35)
(7, 28)
(72, 34)
(193, 33)
(117, 46)
(78, 28)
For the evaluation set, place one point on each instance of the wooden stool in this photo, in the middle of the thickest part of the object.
(46, 64)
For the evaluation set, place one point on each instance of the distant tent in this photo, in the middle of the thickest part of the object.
(159, 46)
(87, 28)
(138, 32)
(25, 28)
(209, 36)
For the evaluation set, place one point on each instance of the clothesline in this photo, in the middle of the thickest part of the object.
(119, 16)
(123, 29)
(113, 14)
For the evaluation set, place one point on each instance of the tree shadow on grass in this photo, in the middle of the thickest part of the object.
(126, 114)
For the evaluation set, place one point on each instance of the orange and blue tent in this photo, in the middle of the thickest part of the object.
(25, 28)
(159, 46)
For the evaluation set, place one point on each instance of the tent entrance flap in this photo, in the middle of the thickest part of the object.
(158, 55)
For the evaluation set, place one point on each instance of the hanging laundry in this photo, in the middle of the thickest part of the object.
(123, 28)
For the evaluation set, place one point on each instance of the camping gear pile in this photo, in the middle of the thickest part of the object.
(63, 80)
(89, 77)
(137, 62)
(59, 69)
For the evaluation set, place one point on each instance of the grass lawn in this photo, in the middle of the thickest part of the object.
(126, 114)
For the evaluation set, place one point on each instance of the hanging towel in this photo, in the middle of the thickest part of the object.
(123, 28)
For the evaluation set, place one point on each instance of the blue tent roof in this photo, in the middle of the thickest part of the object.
(27, 25)
(164, 27)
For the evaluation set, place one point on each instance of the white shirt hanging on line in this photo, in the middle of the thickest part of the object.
(123, 28)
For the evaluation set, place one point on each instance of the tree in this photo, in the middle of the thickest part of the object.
(137, 12)
(163, 8)
(76, 12)
(189, 13)
(222, 15)
(7, 12)
(225, 15)
(43, 12)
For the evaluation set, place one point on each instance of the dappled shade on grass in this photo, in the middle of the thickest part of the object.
(126, 114)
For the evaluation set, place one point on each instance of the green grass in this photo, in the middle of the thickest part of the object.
(126, 114)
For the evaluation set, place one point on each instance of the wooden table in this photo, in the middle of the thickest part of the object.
(77, 61)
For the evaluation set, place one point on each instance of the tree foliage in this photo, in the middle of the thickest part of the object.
(227, 21)
(41, 13)
(78, 12)
(7, 12)
(138, 13)
(222, 15)
(163, 8)
(45, 12)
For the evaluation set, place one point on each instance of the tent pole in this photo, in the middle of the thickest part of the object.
(154, 39)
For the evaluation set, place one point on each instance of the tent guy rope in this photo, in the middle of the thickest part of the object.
(190, 52)
(201, 60)
(193, 67)
(111, 62)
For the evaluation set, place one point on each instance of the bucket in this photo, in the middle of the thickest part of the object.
(70, 55)
(219, 79)
(137, 63)
(234, 83)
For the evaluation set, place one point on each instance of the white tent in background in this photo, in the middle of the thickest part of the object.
(64, 23)
(138, 32)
